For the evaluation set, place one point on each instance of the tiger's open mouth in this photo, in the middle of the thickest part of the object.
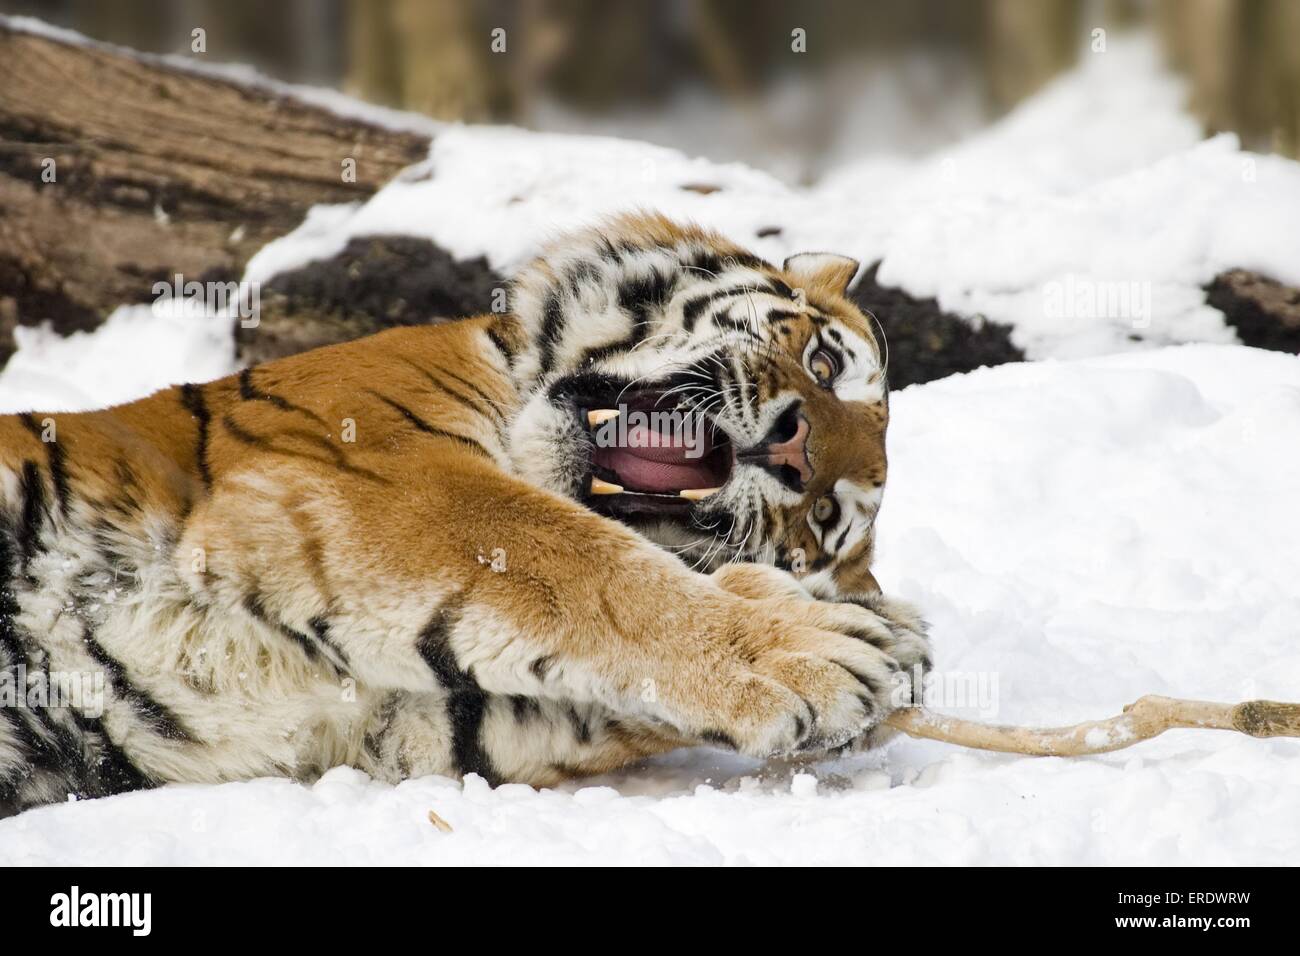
(651, 454)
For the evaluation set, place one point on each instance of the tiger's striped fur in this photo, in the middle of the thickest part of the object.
(385, 553)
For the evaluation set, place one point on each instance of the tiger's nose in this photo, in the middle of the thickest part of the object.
(783, 452)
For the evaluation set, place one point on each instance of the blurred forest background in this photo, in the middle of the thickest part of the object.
(720, 78)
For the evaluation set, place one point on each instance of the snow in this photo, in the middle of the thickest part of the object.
(137, 350)
(1115, 520)
(1079, 532)
(1089, 219)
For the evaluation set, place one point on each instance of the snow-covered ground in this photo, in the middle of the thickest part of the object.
(1081, 533)
(1081, 530)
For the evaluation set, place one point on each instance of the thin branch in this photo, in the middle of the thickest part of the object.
(1149, 717)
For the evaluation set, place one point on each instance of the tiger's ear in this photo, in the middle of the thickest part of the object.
(825, 269)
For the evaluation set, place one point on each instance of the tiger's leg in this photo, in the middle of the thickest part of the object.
(518, 739)
(405, 590)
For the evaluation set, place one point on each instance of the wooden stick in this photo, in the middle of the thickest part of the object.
(1149, 717)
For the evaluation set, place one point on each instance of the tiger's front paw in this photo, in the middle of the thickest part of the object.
(891, 627)
(897, 628)
(807, 675)
(905, 637)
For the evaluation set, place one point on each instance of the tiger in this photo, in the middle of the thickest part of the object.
(422, 552)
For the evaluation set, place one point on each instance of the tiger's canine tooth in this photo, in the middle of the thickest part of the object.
(602, 487)
(695, 494)
(598, 416)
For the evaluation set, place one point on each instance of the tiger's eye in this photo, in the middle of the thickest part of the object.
(823, 366)
(823, 508)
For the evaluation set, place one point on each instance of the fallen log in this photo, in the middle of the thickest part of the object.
(120, 170)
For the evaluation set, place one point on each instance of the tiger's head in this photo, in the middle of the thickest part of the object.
(727, 409)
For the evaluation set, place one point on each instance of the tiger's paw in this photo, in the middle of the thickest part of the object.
(870, 649)
(905, 637)
(803, 678)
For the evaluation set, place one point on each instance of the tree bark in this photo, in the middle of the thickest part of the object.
(118, 171)
(1028, 43)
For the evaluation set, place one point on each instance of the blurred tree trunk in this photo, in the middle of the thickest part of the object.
(1203, 39)
(430, 56)
(1243, 61)
(374, 69)
(1027, 43)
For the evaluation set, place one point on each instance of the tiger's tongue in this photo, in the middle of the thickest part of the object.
(657, 462)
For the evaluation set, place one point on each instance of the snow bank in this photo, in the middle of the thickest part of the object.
(137, 350)
(1089, 219)
(1080, 533)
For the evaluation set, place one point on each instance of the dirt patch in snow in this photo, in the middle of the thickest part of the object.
(925, 342)
(1265, 313)
(375, 283)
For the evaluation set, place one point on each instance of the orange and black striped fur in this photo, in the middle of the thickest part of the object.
(405, 554)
